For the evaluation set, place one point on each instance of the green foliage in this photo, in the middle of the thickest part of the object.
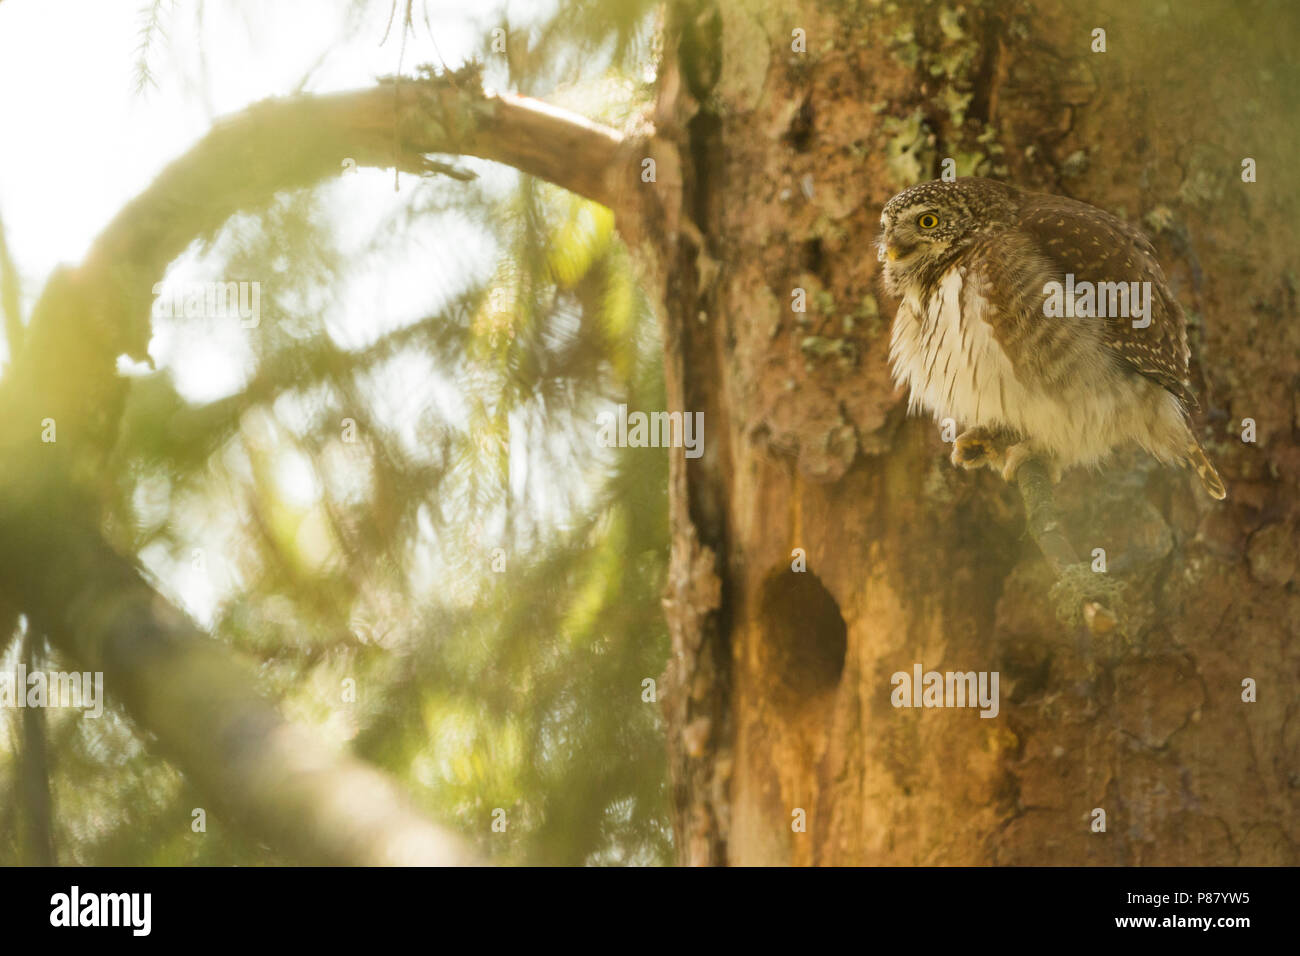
(484, 574)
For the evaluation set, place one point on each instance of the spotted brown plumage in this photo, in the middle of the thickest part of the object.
(978, 338)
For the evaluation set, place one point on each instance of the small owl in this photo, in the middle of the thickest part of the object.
(1041, 325)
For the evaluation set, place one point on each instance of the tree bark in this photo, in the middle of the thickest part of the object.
(780, 704)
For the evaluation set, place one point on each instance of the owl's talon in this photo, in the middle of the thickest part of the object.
(1015, 458)
(971, 452)
(980, 447)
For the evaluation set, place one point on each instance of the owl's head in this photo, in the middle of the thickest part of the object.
(925, 228)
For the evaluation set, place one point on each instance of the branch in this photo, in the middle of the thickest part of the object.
(90, 315)
(34, 774)
(291, 143)
(1043, 523)
(1077, 587)
(201, 706)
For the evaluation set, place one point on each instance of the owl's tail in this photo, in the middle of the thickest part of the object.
(1200, 463)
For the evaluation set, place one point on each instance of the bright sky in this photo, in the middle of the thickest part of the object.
(76, 140)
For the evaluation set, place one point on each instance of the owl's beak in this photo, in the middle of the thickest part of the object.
(887, 250)
(893, 251)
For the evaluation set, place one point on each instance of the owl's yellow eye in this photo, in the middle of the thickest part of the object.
(927, 220)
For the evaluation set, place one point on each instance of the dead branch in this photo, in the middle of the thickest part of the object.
(1044, 525)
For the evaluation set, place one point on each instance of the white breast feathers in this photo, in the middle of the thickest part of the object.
(952, 363)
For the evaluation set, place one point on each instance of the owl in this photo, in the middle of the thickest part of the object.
(1042, 326)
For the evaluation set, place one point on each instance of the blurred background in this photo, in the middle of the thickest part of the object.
(395, 478)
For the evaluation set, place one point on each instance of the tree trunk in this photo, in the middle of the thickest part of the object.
(780, 692)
